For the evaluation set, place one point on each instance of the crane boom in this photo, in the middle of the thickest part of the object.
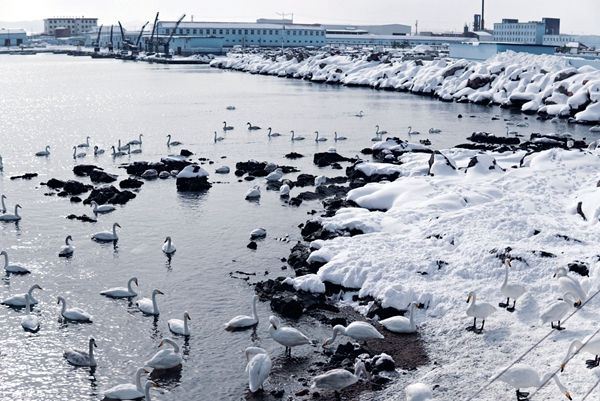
(137, 43)
(97, 43)
(175, 29)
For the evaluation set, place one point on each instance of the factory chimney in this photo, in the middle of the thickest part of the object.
(482, 17)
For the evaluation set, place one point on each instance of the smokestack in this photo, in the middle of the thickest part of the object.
(482, 17)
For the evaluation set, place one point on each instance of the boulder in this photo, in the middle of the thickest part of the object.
(131, 183)
(99, 176)
(83, 170)
(73, 187)
(55, 184)
(193, 184)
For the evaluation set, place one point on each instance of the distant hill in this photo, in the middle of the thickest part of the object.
(30, 27)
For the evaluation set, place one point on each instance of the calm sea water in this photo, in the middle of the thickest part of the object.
(58, 100)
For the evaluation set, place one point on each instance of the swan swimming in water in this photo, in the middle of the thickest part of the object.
(360, 331)
(29, 321)
(86, 144)
(595, 128)
(319, 139)
(75, 314)
(19, 300)
(218, 138)
(136, 141)
(77, 155)
(522, 376)
(482, 311)
(123, 147)
(411, 132)
(557, 310)
(226, 127)
(401, 324)
(258, 367)
(78, 357)
(174, 143)
(122, 292)
(253, 193)
(101, 209)
(3, 204)
(243, 321)
(338, 138)
(67, 249)
(178, 326)
(509, 132)
(275, 175)
(168, 246)
(116, 154)
(128, 391)
(11, 217)
(360, 114)
(338, 379)
(13, 268)
(284, 190)
(296, 138)
(98, 151)
(273, 134)
(377, 132)
(150, 306)
(44, 152)
(165, 358)
(107, 235)
(252, 127)
(287, 336)
(511, 290)
(258, 233)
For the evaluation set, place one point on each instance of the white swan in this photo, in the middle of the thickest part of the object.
(218, 138)
(121, 292)
(377, 132)
(226, 127)
(165, 358)
(482, 311)
(77, 155)
(174, 143)
(127, 391)
(253, 192)
(360, 114)
(590, 345)
(338, 138)
(296, 138)
(273, 134)
(258, 367)
(509, 132)
(287, 336)
(275, 175)
(178, 326)
(29, 321)
(230, 107)
(107, 235)
(319, 139)
(150, 306)
(411, 132)
(147, 388)
(13, 268)
(86, 144)
(116, 154)
(557, 310)
(595, 128)
(258, 233)
(242, 321)
(511, 290)
(222, 170)
(44, 152)
(320, 180)
(19, 300)
(360, 331)
(78, 357)
(3, 204)
(284, 190)
(168, 246)
(522, 376)
(434, 130)
(102, 209)
(252, 127)
(418, 392)
(401, 324)
(338, 379)
(98, 151)
(136, 141)
(74, 313)
(11, 217)
(522, 124)
(123, 147)
(568, 284)
(67, 249)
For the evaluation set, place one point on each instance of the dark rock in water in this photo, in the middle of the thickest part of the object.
(304, 180)
(298, 260)
(185, 153)
(252, 245)
(99, 176)
(334, 204)
(460, 116)
(250, 165)
(84, 217)
(239, 173)
(295, 202)
(579, 267)
(269, 288)
(83, 170)
(109, 194)
(73, 187)
(539, 142)
(54, 183)
(486, 137)
(293, 155)
(131, 183)
(166, 164)
(367, 151)
(26, 176)
(63, 194)
(193, 184)
(75, 199)
(327, 158)
(355, 174)
(249, 178)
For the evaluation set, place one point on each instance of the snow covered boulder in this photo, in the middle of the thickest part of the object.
(193, 178)
(483, 164)
(439, 164)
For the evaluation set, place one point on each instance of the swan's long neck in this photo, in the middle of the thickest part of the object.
(3, 204)
(339, 328)
(94, 202)
(27, 304)
(575, 345)
(30, 293)
(138, 380)
(173, 344)
(67, 241)
(17, 210)
(5, 259)
(505, 275)
(115, 231)
(185, 323)
(64, 306)
(269, 131)
(254, 314)
(129, 288)
(147, 393)
(560, 385)
(92, 360)
(168, 140)
(154, 304)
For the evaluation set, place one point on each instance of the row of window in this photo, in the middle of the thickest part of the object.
(245, 32)
(62, 21)
(514, 33)
(271, 41)
(515, 26)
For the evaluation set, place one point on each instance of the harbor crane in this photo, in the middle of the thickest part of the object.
(109, 45)
(135, 49)
(166, 44)
(151, 42)
(126, 42)
(96, 44)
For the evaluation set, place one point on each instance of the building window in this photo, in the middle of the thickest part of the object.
(294, 33)
(201, 31)
(194, 31)
(226, 31)
(214, 31)
(245, 32)
(181, 31)
(270, 32)
(220, 32)
(288, 33)
(276, 32)
(167, 31)
(187, 31)
(311, 33)
(251, 31)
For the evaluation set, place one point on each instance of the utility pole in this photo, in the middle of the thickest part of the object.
(416, 27)
(192, 18)
(482, 9)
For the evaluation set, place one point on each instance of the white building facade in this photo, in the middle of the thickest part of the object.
(78, 26)
(513, 31)
(12, 37)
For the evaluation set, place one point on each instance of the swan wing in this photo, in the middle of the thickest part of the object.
(290, 337)
(555, 311)
(398, 324)
(362, 331)
(77, 314)
(126, 391)
(241, 321)
(258, 370)
(30, 322)
(164, 359)
(146, 305)
(335, 379)
(18, 300)
(118, 292)
(177, 326)
(513, 290)
(77, 357)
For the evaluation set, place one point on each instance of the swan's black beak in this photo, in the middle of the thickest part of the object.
(468, 299)
(136, 283)
(568, 395)
(562, 367)
(160, 292)
(188, 317)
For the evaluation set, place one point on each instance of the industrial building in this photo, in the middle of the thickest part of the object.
(69, 26)
(13, 37)
(532, 32)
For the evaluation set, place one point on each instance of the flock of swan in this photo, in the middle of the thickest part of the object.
(119, 150)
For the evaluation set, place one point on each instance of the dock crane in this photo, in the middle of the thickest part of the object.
(96, 44)
(135, 49)
(109, 45)
(166, 44)
(126, 42)
(151, 42)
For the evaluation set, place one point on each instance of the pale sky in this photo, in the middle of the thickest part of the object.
(577, 16)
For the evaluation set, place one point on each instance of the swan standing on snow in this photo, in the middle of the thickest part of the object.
(75, 314)
(569, 284)
(275, 175)
(67, 249)
(168, 246)
(13, 268)
(226, 127)
(296, 138)
(107, 235)
(411, 132)
(360, 331)
(136, 141)
(273, 134)
(338, 379)
(77, 155)
(522, 376)
(338, 138)
(253, 192)
(557, 310)
(86, 144)
(128, 391)
(3, 204)
(11, 217)
(165, 358)
(511, 290)
(418, 392)
(218, 138)
(252, 127)
(178, 326)
(19, 300)
(482, 311)
(98, 151)
(243, 321)
(258, 367)
(317, 139)
(287, 336)
(174, 143)
(590, 345)
(150, 306)
(101, 209)
(121, 292)
(78, 357)
(44, 152)
(400, 324)
(29, 321)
